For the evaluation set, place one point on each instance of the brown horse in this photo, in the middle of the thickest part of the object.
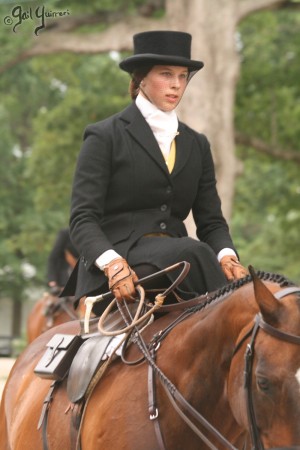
(50, 311)
(202, 399)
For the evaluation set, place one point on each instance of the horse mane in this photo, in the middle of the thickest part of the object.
(231, 287)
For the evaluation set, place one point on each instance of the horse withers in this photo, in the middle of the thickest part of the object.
(226, 376)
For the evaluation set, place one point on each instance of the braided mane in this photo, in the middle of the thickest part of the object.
(229, 288)
(265, 276)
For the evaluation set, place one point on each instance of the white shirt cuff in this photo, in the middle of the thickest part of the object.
(106, 258)
(225, 252)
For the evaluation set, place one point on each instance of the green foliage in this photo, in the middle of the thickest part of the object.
(90, 89)
(47, 102)
(44, 113)
(16, 271)
(15, 201)
(267, 205)
(12, 43)
(270, 68)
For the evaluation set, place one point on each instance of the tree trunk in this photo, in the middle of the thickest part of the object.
(208, 104)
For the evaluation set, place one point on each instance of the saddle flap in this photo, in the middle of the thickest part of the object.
(85, 365)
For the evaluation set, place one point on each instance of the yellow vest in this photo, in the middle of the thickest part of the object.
(170, 160)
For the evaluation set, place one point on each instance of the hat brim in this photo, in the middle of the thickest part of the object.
(133, 62)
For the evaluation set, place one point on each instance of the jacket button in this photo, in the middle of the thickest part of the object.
(164, 208)
(169, 190)
(163, 226)
(85, 263)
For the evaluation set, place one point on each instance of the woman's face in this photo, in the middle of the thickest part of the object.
(164, 86)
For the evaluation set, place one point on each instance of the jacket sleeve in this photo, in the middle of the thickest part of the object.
(211, 225)
(89, 192)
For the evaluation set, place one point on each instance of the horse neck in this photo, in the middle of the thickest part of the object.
(207, 338)
(221, 321)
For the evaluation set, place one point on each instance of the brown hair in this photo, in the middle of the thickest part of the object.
(136, 78)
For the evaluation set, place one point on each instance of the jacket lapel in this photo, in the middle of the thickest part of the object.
(183, 148)
(141, 132)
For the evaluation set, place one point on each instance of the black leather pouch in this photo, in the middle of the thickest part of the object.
(57, 359)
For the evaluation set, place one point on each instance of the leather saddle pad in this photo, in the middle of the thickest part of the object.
(84, 366)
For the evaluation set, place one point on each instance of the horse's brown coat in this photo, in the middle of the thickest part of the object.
(197, 357)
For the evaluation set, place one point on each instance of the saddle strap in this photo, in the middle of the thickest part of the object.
(153, 411)
(77, 412)
(43, 421)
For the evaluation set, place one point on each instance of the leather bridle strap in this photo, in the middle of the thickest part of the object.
(254, 433)
(287, 291)
(275, 332)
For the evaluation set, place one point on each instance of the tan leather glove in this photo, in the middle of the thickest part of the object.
(121, 279)
(232, 268)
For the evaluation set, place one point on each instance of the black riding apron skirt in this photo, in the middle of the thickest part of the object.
(154, 253)
(205, 274)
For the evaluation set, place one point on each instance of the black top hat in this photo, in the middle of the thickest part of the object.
(159, 48)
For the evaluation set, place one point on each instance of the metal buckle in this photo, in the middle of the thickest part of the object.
(155, 415)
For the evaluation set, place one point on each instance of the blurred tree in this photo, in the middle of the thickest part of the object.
(55, 83)
(109, 25)
(19, 104)
(267, 203)
(58, 131)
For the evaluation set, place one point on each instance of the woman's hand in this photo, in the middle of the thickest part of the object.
(232, 268)
(121, 279)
